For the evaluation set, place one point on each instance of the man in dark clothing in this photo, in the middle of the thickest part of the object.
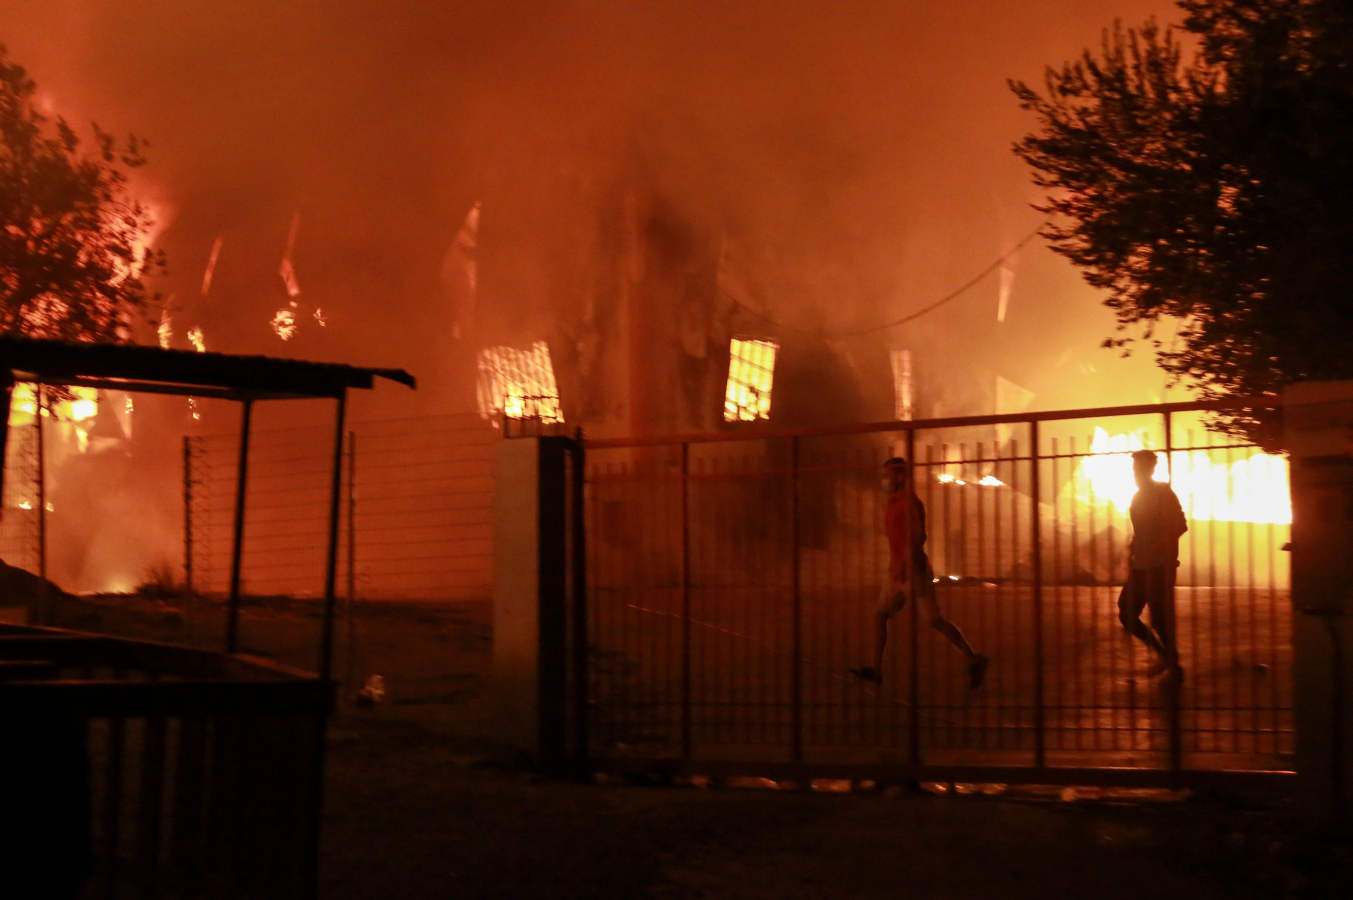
(909, 570)
(1157, 523)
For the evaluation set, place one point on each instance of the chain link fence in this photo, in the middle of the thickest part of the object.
(415, 518)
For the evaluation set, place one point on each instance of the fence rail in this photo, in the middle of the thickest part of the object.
(732, 585)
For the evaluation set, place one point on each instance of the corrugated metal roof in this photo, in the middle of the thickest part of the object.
(153, 370)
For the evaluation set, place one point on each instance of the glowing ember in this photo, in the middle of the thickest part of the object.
(751, 371)
(199, 342)
(319, 317)
(518, 384)
(284, 324)
(1251, 489)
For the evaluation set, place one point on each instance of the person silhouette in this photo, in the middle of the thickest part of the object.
(909, 572)
(1153, 556)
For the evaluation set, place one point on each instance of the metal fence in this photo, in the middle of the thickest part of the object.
(416, 510)
(733, 583)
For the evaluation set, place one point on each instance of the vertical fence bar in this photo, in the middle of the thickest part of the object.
(187, 514)
(1174, 688)
(352, 557)
(237, 545)
(685, 602)
(326, 653)
(914, 701)
(578, 534)
(42, 482)
(796, 639)
(1036, 542)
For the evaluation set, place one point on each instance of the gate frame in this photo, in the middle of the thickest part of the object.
(916, 769)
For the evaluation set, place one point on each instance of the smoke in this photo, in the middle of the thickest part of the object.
(852, 160)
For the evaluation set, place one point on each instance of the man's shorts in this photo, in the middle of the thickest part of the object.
(893, 597)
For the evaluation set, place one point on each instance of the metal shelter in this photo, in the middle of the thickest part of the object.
(222, 376)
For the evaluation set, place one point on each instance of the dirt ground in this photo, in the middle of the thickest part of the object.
(419, 803)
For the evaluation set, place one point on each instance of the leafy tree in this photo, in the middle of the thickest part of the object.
(1206, 176)
(72, 242)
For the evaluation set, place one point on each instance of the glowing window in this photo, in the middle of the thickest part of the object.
(518, 384)
(751, 368)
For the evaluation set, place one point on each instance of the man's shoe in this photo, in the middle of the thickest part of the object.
(977, 671)
(869, 674)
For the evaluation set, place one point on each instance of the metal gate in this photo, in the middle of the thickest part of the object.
(732, 582)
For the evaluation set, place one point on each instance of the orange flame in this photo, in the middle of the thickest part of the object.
(1250, 489)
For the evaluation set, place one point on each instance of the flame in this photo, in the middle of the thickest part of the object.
(984, 481)
(165, 330)
(751, 371)
(319, 317)
(1251, 489)
(199, 342)
(284, 323)
(518, 383)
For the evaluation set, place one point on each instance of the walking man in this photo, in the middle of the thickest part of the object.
(1157, 523)
(909, 572)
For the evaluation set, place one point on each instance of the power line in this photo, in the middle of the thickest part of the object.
(947, 298)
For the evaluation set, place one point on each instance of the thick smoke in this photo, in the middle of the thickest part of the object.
(850, 162)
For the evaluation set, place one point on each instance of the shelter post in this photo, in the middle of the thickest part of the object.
(326, 652)
(237, 547)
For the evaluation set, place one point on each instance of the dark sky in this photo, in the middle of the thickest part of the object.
(868, 141)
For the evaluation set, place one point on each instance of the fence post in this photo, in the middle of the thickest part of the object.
(349, 669)
(1036, 539)
(796, 673)
(581, 645)
(187, 539)
(237, 545)
(41, 483)
(685, 603)
(914, 701)
(187, 513)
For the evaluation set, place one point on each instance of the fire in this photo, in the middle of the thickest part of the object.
(1251, 489)
(519, 384)
(751, 371)
(82, 405)
(284, 323)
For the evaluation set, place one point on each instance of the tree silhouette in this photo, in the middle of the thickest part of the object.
(73, 244)
(1206, 176)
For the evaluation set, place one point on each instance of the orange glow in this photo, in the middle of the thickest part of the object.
(284, 323)
(210, 271)
(751, 371)
(518, 384)
(1253, 488)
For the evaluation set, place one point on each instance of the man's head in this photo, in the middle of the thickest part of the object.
(896, 474)
(1143, 466)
